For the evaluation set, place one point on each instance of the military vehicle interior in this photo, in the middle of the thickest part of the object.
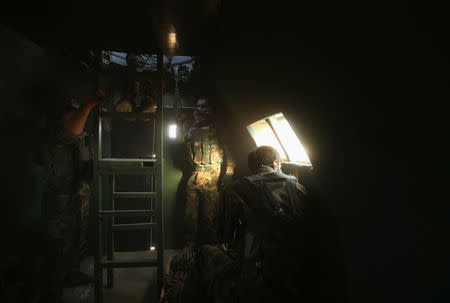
(353, 97)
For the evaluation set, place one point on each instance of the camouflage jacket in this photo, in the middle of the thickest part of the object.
(63, 155)
(261, 221)
(243, 200)
(66, 192)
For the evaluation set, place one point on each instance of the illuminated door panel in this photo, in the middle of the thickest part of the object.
(263, 134)
(276, 131)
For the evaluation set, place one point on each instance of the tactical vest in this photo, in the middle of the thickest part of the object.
(266, 229)
(259, 182)
(203, 146)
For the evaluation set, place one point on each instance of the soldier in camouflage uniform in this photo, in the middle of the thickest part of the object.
(66, 201)
(181, 278)
(210, 168)
(261, 225)
(260, 228)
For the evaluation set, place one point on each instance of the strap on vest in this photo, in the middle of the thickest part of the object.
(292, 191)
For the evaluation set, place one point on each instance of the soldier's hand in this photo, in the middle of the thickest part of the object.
(96, 98)
(182, 117)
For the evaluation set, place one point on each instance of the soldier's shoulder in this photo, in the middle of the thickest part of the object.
(285, 176)
(239, 185)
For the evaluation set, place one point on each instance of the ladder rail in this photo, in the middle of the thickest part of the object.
(110, 237)
(129, 213)
(98, 274)
(159, 179)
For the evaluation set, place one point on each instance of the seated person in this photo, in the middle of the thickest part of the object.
(259, 256)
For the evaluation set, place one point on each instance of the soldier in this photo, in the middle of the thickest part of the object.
(66, 198)
(261, 226)
(210, 168)
(261, 231)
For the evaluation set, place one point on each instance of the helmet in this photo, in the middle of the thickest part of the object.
(124, 106)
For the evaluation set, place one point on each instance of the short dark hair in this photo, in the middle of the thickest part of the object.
(266, 155)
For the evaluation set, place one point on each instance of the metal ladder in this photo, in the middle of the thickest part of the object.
(105, 218)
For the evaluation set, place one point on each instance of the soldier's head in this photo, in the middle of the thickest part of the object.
(202, 101)
(268, 156)
(202, 111)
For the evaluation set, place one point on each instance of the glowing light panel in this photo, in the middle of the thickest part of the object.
(289, 139)
(263, 135)
(276, 131)
(172, 131)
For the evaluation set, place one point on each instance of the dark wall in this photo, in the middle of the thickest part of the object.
(18, 59)
(364, 88)
(35, 82)
(174, 182)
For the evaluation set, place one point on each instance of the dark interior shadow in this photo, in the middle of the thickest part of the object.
(180, 203)
(152, 294)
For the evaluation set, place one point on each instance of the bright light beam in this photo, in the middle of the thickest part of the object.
(173, 131)
(290, 140)
(263, 134)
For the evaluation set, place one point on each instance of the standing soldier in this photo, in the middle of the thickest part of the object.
(210, 168)
(66, 198)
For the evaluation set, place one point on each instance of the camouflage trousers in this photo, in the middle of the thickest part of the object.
(218, 274)
(180, 281)
(201, 206)
(223, 278)
(66, 213)
(206, 274)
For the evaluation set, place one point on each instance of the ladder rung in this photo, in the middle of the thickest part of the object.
(127, 171)
(133, 226)
(130, 213)
(125, 160)
(128, 115)
(126, 166)
(130, 263)
(134, 194)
